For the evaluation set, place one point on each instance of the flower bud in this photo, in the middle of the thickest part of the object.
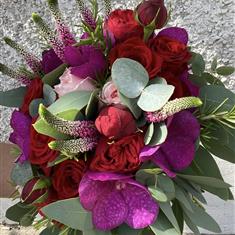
(149, 10)
(35, 190)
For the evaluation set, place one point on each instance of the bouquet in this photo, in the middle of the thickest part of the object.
(115, 132)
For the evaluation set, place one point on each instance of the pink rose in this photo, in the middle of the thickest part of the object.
(109, 94)
(70, 82)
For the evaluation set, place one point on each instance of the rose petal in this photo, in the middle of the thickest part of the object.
(90, 190)
(143, 210)
(110, 211)
(106, 176)
(176, 33)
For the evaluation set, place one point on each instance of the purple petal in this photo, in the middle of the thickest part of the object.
(106, 176)
(90, 191)
(176, 33)
(194, 90)
(110, 211)
(142, 208)
(147, 152)
(73, 56)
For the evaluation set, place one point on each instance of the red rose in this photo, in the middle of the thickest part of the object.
(123, 25)
(30, 195)
(66, 178)
(135, 48)
(115, 123)
(34, 91)
(121, 156)
(39, 152)
(175, 54)
(181, 90)
(148, 10)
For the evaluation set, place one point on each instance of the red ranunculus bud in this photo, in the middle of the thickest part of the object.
(35, 191)
(148, 10)
(115, 123)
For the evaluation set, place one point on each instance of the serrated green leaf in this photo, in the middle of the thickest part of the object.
(149, 134)
(154, 97)
(52, 78)
(198, 65)
(129, 76)
(21, 173)
(131, 104)
(159, 134)
(13, 98)
(70, 213)
(225, 70)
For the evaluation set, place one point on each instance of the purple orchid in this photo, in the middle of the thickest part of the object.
(178, 151)
(50, 61)
(115, 199)
(85, 61)
(21, 124)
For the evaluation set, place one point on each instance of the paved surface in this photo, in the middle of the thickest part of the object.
(211, 28)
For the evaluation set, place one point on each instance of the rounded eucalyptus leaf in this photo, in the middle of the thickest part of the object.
(155, 96)
(34, 105)
(149, 134)
(130, 77)
(49, 94)
(159, 135)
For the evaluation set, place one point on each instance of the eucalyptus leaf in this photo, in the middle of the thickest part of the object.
(178, 212)
(154, 97)
(149, 134)
(158, 80)
(158, 194)
(21, 173)
(167, 185)
(198, 64)
(191, 225)
(197, 80)
(159, 134)
(212, 79)
(129, 76)
(131, 104)
(225, 70)
(52, 78)
(70, 213)
(34, 105)
(91, 108)
(13, 98)
(49, 95)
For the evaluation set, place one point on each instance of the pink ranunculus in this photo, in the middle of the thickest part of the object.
(70, 83)
(109, 94)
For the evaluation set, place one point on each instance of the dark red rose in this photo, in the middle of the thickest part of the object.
(122, 24)
(115, 123)
(135, 49)
(34, 91)
(175, 54)
(181, 89)
(31, 195)
(39, 152)
(121, 156)
(148, 10)
(66, 178)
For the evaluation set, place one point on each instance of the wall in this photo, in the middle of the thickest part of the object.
(211, 30)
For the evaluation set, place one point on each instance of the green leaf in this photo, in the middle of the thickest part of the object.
(91, 109)
(52, 78)
(197, 80)
(21, 173)
(149, 134)
(13, 98)
(70, 213)
(125, 229)
(191, 225)
(198, 65)
(178, 212)
(52, 230)
(129, 76)
(27, 220)
(205, 181)
(162, 226)
(131, 104)
(73, 100)
(49, 94)
(158, 194)
(154, 97)
(96, 232)
(18, 211)
(214, 64)
(200, 218)
(167, 210)
(157, 80)
(212, 79)
(34, 105)
(159, 135)
(225, 70)
(167, 185)
(43, 128)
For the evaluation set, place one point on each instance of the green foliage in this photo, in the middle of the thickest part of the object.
(21, 173)
(125, 229)
(159, 135)
(130, 77)
(70, 213)
(167, 186)
(13, 98)
(225, 70)
(92, 106)
(52, 230)
(198, 64)
(214, 64)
